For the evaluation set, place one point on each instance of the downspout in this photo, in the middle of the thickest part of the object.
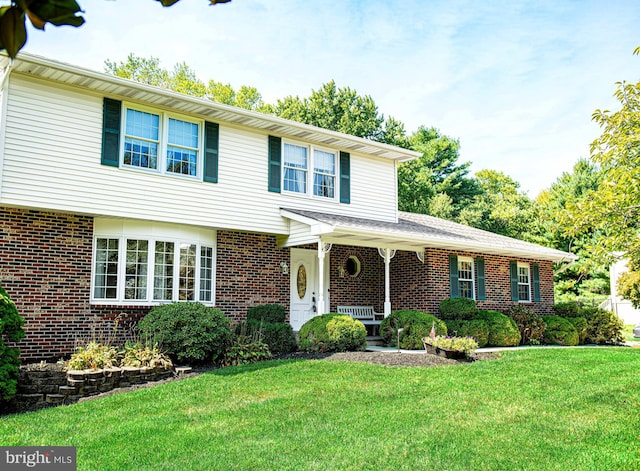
(3, 114)
(5, 74)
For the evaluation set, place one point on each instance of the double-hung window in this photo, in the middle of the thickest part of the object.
(309, 171)
(466, 278)
(161, 142)
(524, 282)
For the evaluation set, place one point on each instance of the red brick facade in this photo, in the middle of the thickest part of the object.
(248, 273)
(45, 266)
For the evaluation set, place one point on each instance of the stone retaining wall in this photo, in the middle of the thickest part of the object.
(49, 385)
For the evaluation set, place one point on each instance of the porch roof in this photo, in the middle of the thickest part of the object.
(414, 232)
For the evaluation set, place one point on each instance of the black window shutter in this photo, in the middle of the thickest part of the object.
(275, 163)
(112, 111)
(535, 273)
(211, 144)
(482, 291)
(345, 177)
(453, 276)
(514, 280)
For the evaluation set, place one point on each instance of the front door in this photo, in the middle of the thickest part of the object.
(304, 286)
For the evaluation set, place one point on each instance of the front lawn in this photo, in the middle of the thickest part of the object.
(540, 409)
(627, 333)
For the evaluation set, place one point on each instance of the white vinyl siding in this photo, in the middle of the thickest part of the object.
(52, 162)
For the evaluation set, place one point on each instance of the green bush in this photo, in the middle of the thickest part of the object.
(278, 336)
(188, 332)
(316, 335)
(416, 325)
(457, 309)
(603, 327)
(581, 325)
(503, 331)
(245, 350)
(530, 325)
(568, 309)
(347, 334)
(559, 331)
(476, 329)
(273, 313)
(10, 331)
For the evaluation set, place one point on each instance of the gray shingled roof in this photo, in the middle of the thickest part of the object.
(420, 230)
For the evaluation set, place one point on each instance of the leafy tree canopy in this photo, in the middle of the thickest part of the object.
(612, 209)
(183, 79)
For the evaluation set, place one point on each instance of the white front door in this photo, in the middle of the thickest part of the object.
(304, 286)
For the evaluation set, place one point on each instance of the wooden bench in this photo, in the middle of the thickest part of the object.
(364, 314)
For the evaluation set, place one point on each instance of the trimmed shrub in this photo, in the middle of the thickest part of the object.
(479, 330)
(347, 334)
(503, 331)
(559, 331)
(273, 313)
(457, 309)
(530, 325)
(568, 309)
(10, 331)
(416, 325)
(603, 327)
(278, 336)
(316, 336)
(188, 332)
(581, 325)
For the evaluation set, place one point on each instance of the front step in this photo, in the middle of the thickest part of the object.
(374, 341)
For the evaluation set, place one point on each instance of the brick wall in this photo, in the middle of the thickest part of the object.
(415, 285)
(248, 273)
(365, 289)
(45, 266)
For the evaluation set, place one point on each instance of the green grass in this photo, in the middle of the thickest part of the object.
(546, 409)
(627, 333)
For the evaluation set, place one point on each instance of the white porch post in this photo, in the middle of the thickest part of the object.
(387, 255)
(323, 249)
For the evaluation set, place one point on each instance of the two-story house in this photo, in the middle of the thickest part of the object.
(117, 196)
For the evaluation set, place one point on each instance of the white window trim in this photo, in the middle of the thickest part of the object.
(105, 228)
(311, 171)
(473, 276)
(163, 141)
(528, 267)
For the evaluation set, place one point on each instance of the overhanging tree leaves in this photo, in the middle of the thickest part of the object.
(613, 208)
(13, 28)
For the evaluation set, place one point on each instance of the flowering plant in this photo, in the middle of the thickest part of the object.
(457, 344)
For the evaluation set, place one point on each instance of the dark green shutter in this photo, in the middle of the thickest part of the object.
(111, 115)
(453, 276)
(482, 291)
(535, 273)
(345, 177)
(211, 144)
(514, 280)
(275, 163)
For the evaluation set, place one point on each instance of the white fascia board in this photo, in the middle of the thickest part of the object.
(316, 227)
(436, 242)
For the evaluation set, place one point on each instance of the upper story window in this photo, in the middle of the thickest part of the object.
(524, 282)
(163, 143)
(297, 163)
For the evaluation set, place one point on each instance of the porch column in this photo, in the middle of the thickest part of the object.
(323, 249)
(387, 254)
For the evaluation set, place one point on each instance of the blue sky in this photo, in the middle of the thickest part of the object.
(515, 81)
